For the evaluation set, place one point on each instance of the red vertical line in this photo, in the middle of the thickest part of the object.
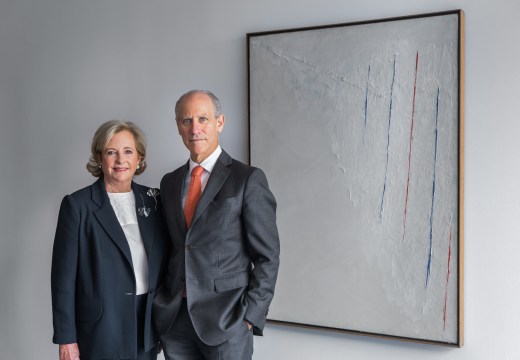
(411, 138)
(447, 282)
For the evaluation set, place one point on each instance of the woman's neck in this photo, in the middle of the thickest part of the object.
(118, 187)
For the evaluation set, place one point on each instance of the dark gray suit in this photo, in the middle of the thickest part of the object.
(92, 280)
(228, 259)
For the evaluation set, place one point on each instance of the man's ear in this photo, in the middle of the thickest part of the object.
(220, 123)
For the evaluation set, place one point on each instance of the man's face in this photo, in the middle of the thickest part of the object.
(198, 126)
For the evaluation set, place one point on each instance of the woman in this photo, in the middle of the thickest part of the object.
(109, 253)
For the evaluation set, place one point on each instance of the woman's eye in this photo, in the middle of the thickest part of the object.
(111, 152)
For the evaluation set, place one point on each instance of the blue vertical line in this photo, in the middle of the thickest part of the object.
(387, 143)
(428, 268)
(366, 105)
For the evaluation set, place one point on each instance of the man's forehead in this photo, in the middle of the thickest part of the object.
(197, 106)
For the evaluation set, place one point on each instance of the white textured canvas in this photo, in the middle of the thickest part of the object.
(357, 128)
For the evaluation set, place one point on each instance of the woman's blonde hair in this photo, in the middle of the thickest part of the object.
(102, 137)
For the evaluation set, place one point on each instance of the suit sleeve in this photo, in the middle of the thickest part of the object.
(259, 218)
(165, 245)
(63, 273)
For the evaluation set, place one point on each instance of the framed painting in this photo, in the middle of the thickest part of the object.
(359, 129)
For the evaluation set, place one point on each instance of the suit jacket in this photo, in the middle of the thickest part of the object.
(92, 277)
(228, 259)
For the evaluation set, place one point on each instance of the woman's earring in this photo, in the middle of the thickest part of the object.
(138, 166)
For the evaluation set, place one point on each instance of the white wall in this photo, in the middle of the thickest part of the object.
(66, 66)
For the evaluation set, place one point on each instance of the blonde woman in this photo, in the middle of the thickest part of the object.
(108, 256)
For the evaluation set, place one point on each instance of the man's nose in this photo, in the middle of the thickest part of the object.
(195, 127)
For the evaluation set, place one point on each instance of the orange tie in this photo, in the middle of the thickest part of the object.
(194, 193)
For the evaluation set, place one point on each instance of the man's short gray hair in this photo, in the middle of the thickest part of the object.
(217, 110)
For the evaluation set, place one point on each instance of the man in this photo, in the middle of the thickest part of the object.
(225, 255)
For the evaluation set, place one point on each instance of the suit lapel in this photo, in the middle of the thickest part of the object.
(108, 219)
(177, 186)
(144, 203)
(216, 180)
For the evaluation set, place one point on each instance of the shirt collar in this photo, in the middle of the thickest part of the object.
(209, 163)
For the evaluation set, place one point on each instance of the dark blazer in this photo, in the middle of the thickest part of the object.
(92, 278)
(228, 260)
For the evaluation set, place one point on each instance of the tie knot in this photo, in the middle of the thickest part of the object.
(197, 171)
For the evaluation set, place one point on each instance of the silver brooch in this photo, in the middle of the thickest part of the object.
(143, 210)
(153, 193)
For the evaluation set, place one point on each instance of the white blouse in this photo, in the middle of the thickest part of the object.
(124, 207)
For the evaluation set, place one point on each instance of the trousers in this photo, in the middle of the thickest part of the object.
(183, 343)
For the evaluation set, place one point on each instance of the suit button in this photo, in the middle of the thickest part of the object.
(152, 291)
(188, 248)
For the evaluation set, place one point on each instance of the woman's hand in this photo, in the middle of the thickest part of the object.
(69, 352)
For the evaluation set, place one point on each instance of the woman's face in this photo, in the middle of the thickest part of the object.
(119, 161)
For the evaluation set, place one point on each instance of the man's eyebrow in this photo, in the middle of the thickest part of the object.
(194, 116)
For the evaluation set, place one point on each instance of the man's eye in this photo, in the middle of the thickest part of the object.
(186, 122)
(203, 119)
